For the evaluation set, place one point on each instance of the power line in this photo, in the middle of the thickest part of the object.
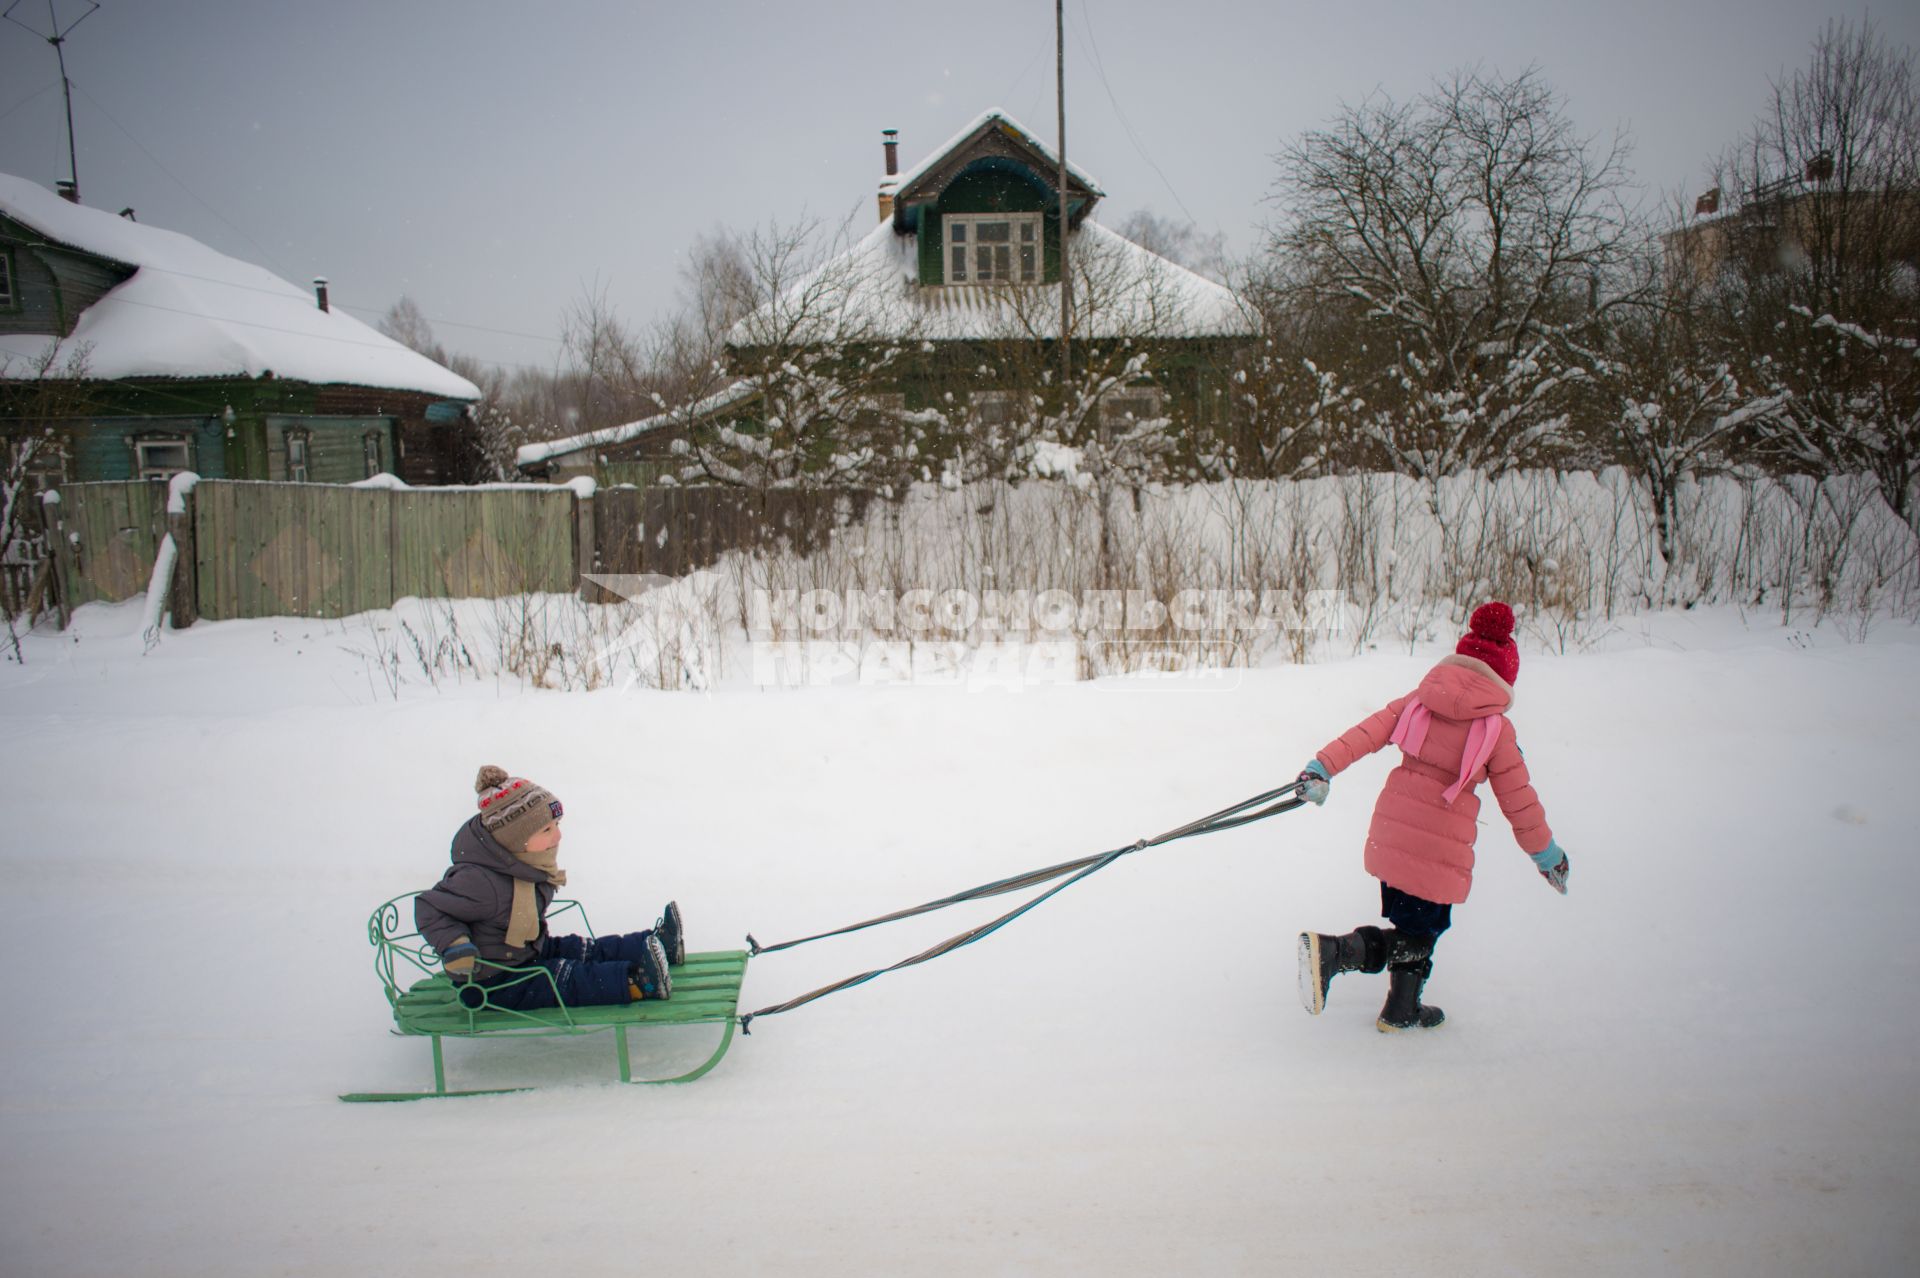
(57, 37)
(30, 97)
(369, 310)
(182, 185)
(1100, 69)
(478, 328)
(383, 343)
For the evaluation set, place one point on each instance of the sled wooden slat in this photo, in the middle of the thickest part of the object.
(706, 991)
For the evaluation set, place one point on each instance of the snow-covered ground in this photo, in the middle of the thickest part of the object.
(1705, 1060)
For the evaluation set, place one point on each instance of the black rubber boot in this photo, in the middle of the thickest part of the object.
(1404, 1010)
(1323, 957)
(672, 934)
(649, 977)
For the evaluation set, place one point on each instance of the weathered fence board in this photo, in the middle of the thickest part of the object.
(318, 550)
(105, 538)
(674, 531)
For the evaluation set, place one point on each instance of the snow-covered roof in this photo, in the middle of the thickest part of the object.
(979, 122)
(872, 293)
(188, 311)
(607, 437)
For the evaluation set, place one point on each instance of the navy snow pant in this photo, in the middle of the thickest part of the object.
(1414, 915)
(586, 972)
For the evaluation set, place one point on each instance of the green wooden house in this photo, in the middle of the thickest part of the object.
(961, 276)
(150, 353)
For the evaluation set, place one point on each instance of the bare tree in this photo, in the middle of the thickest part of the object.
(39, 398)
(513, 409)
(816, 352)
(407, 324)
(606, 361)
(1819, 266)
(1677, 406)
(1182, 243)
(1471, 238)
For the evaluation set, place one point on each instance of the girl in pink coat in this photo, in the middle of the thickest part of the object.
(1453, 733)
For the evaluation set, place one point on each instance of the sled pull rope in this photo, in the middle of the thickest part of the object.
(1284, 799)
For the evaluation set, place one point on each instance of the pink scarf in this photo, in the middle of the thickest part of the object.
(1482, 735)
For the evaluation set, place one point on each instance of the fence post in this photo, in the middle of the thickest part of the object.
(586, 557)
(59, 551)
(183, 597)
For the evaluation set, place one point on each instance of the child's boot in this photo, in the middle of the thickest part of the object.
(1403, 1009)
(672, 934)
(1324, 957)
(648, 978)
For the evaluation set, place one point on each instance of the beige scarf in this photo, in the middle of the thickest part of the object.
(523, 925)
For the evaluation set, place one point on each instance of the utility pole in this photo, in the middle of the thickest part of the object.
(58, 39)
(1066, 275)
(1102, 471)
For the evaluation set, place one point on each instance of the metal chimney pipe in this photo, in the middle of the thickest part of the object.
(320, 291)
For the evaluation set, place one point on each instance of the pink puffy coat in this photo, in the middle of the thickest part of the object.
(1419, 842)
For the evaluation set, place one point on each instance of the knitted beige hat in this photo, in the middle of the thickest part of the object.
(513, 809)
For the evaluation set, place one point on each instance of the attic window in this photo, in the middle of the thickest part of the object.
(6, 280)
(162, 456)
(993, 248)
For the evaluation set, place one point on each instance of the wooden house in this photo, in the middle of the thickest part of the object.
(150, 353)
(962, 274)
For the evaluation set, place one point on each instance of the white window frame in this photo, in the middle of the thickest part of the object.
(966, 253)
(370, 446)
(302, 438)
(147, 447)
(1144, 402)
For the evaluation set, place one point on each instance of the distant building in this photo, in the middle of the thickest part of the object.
(167, 356)
(964, 263)
(1785, 224)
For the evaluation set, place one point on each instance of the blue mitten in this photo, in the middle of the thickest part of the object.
(1313, 782)
(457, 960)
(1552, 863)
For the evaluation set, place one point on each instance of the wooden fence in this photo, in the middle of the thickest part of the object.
(252, 549)
(674, 531)
(103, 538)
(313, 550)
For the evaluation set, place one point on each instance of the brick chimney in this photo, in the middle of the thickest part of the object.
(68, 191)
(890, 144)
(320, 292)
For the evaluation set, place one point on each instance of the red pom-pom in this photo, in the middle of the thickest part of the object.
(1493, 622)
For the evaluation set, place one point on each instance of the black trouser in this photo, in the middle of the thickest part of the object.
(1414, 915)
(586, 972)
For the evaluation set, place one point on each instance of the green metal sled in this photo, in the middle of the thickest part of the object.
(706, 990)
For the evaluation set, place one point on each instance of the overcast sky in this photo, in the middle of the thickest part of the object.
(493, 160)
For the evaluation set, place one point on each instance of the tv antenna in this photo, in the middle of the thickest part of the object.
(56, 36)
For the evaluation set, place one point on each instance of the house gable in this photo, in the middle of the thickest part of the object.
(49, 284)
(992, 143)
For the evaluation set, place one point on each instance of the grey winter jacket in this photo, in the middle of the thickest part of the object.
(474, 898)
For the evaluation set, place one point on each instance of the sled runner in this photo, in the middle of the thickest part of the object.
(706, 990)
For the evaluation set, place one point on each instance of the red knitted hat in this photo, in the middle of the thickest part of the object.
(1491, 640)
